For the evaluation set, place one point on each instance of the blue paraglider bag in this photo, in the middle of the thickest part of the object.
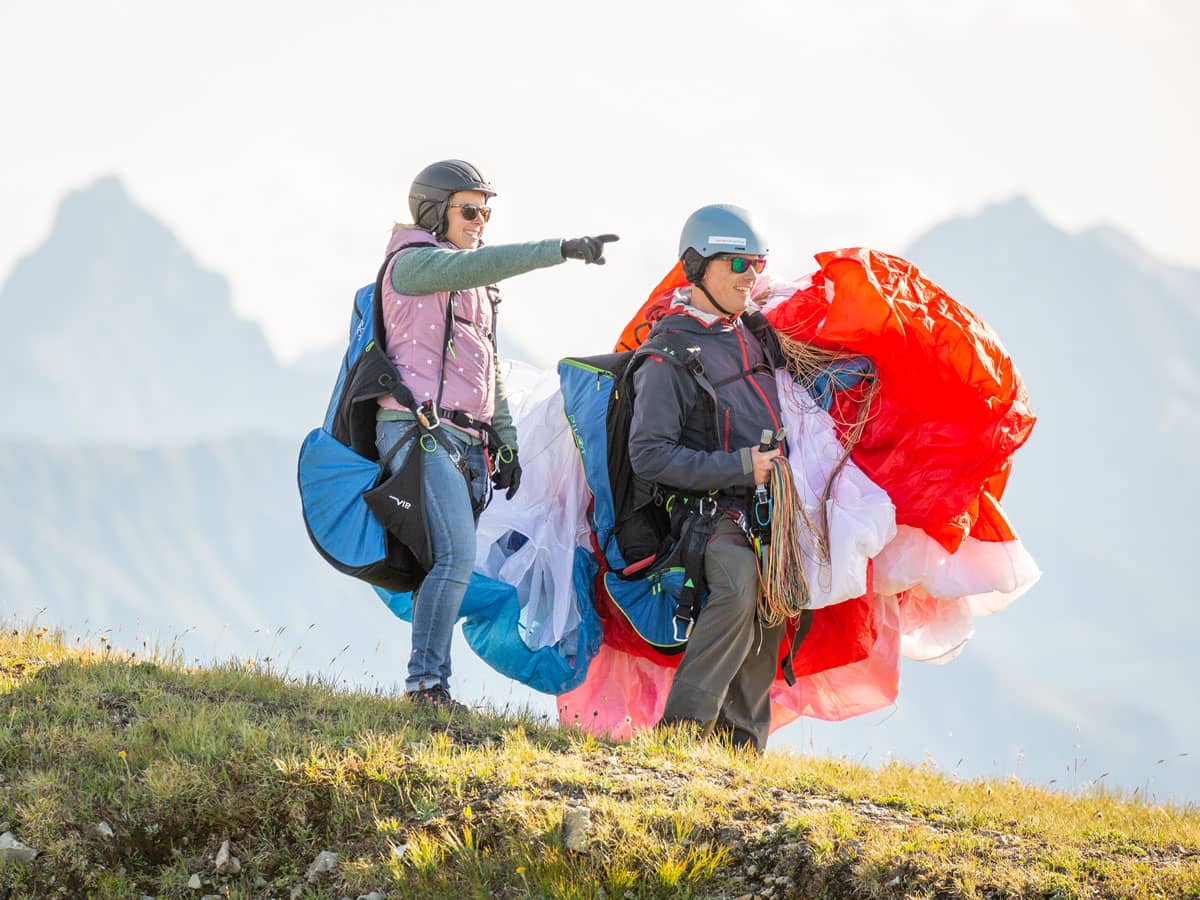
(340, 491)
(363, 521)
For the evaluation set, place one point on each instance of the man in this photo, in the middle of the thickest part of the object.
(692, 444)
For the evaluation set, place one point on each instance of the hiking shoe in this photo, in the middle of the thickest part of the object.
(436, 697)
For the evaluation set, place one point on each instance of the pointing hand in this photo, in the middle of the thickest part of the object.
(589, 249)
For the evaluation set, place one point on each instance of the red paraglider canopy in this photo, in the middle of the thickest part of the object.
(950, 408)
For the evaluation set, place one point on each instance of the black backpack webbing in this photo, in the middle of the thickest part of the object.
(698, 528)
(641, 526)
(395, 385)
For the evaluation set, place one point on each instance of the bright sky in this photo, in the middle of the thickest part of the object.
(278, 139)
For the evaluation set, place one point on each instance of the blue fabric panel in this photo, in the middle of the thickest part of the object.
(585, 400)
(838, 376)
(649, 604)
(332, 480)
(362, 332)
(491, 616)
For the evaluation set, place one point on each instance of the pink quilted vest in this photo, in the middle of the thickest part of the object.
(415, 330)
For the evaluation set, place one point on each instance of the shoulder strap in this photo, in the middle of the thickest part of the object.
(493, 292)
(756, 323)
(674, 347)
(677, 348)
(398, 389)
(383, 268)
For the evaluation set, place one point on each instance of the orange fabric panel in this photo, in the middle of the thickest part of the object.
(651, 311)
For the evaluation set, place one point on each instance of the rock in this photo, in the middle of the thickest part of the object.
(12, 850)
(325, 861)
(105, 829)
(226, 864)
(398, 850)
(212, 897)
(194, 882)
(577, 822)
(374, 895)
(259, 882)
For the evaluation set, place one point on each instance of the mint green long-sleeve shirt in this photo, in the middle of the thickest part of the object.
(430, 270)
(427, 270)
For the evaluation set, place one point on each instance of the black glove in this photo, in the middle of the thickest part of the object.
(589, 249)
(508, 471)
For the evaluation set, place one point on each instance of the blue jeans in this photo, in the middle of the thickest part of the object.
(452, 535)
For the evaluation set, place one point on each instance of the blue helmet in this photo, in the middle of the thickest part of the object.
(722, 228)
(431, 190)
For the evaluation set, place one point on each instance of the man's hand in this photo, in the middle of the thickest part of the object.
(508, 471)
(589, 249)
(762, 464)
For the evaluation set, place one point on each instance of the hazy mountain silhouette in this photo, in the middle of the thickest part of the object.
(116, 333)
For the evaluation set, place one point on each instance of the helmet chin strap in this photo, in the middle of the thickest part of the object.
(443, 224)
(713, 300)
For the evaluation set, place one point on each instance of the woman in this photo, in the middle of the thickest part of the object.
(438, 295)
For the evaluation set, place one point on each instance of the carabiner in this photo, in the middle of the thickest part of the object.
(427, 415)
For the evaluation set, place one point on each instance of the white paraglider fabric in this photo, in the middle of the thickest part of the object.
(991, 574)
(529, 541)
(928, 596)
(941, 592)
(861, 517)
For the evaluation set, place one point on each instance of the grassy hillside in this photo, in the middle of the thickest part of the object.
(134, 777)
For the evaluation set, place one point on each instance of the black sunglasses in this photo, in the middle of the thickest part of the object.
(470, 211)
(740, 264)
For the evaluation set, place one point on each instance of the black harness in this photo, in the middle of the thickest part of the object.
(694, 517)
(430, 414)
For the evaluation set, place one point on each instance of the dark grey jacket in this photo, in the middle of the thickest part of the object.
(669, 436)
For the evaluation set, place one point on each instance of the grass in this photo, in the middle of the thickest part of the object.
(178, 760)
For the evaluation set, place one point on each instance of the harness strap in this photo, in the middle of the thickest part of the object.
(434, 416)
(387, 457)
(696, 531)
(493, 292)
(674, 347)
(395, 386)
(760, 327)
(429, 414)
(803, 626)
(447, 342)
(401, 392)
